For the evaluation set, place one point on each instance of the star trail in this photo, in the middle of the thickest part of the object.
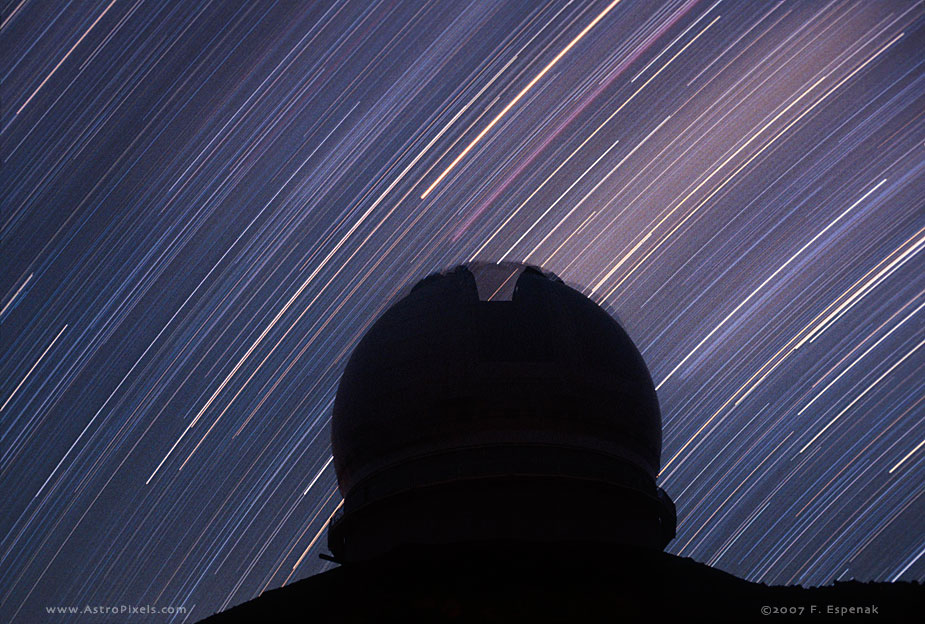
(206, 204)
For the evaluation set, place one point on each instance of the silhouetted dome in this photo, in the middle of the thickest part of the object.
(493, 371)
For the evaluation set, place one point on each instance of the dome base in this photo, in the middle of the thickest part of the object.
(504, 510)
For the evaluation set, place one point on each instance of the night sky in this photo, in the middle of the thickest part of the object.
(206, 204)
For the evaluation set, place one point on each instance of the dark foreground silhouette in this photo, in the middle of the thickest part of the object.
(527, 584)
(497, 440)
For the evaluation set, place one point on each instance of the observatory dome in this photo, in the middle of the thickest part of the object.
(488, 373)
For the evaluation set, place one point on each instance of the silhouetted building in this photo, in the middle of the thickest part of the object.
(494, 402)
(497, 438)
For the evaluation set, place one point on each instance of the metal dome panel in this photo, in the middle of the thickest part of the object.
(493, 356)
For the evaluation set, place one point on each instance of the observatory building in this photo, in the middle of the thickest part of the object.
(497, 438)
(494, 403)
